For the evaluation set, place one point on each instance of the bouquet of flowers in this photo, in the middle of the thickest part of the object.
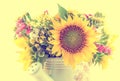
(73, 36)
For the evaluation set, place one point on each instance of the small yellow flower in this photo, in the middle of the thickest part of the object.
(33, 23)
(32, 41)
(42, 37)
(36, 45)
(40, 41)
(46, 17)
(50, 38)
(43, 18)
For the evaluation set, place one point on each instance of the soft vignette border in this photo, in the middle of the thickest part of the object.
(11, 9)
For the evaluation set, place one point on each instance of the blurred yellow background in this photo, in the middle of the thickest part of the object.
(10, 10)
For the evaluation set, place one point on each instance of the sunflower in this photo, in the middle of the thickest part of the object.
(25, 53)
(74, 40)
(26, 57)
(21, 42)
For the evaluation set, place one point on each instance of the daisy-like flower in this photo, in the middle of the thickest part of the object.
(74, 40)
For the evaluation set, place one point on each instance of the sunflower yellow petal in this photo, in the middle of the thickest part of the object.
(85, 53)
(21, 42)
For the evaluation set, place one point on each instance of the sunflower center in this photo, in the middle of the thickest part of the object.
(72, 38)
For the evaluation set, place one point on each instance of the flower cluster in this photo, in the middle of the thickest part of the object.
(75, 37)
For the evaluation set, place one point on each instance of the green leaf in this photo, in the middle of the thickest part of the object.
(104, 38)
(24, 18)
(98, 14)
(63, 12)
(97, 57)
(28, 16)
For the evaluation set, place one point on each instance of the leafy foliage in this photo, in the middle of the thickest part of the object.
(63, 12)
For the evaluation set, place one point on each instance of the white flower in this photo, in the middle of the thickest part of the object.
(33, 35)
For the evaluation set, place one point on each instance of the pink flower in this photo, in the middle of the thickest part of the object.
(19, 20)
(20, 26)
(103, 49)
(20, 23)
(19, 29)
(23, 25)
(19, 34)
(28, 30)
(107, 50)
